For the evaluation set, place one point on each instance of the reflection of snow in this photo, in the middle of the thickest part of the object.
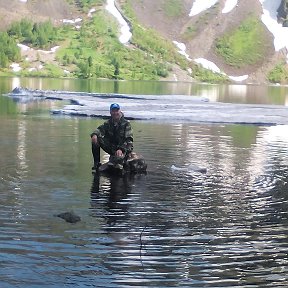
(269, 18)
(229, 6)
(15, 82)
(125, 29)
(277, 134)
(21, 149)
(201, 5)
(239, 90)
(212, 93)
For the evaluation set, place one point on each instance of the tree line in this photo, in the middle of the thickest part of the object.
(42, 35)
(9, 51)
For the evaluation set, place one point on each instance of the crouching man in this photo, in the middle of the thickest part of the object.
(115, 137)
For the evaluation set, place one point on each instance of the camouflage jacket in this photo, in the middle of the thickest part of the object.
(119, 136)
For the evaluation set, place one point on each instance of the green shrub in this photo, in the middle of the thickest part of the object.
(204, 75)
(279, 74)
(9, 51)
(41, 35)
(245, 45)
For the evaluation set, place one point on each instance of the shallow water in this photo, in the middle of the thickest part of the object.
(225, 228)
(170, 228)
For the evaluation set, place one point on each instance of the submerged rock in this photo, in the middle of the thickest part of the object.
(69, 217)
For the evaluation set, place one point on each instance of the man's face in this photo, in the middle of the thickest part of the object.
(115, 114)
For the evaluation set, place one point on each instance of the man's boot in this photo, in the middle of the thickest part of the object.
(96, 156)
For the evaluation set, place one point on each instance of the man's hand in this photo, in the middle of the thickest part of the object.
(119, 153)
(94, 139)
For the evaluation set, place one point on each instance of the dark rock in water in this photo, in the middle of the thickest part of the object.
(20, 91)
(69, 217)
(16, 90)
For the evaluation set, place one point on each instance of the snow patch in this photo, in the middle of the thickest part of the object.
(15, 67)
(91, 11)
(51, 51)
(201, 5)
(208, 64)
(182, 49)
(213, 67)
(72, 22)
(126, 35)
(269, 19)
(229, 6)
(239, 78)
(24, 47)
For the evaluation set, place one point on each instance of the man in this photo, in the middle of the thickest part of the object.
(115, 137)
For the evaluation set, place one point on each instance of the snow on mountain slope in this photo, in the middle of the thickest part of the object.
(209, 20)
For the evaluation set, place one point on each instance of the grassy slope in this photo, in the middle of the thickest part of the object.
(95, 51)
(243, 46)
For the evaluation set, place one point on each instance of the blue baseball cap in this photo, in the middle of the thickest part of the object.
(114, 106)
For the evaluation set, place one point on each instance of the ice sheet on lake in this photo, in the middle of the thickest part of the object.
(167, 108)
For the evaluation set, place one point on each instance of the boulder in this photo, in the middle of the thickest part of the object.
(69, 217)
(135, 164)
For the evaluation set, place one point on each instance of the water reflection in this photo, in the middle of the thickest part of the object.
(226, 228)
(233, 93)
(111, 192)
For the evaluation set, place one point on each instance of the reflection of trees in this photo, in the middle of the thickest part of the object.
(7, 106)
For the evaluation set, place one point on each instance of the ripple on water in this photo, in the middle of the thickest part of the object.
(224, 228)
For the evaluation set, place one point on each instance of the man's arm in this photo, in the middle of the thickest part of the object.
(100, 131)
(127, 145)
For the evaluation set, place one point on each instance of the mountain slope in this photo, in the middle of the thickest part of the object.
(205, 28)
(15, 10)
(206, 34)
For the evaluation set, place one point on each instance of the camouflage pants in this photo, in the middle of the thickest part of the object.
(109, 148)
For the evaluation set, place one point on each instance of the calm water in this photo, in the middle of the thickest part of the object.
(225, 228)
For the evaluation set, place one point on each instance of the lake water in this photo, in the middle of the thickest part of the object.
(169, 228)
